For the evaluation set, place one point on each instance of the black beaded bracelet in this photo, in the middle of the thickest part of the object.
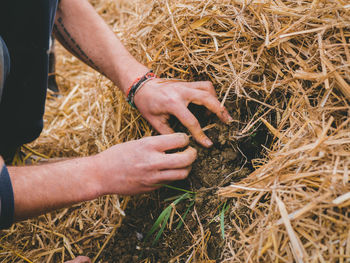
(137, 84)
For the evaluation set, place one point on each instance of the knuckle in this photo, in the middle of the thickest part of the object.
(172, 99)
(148, 162)
(208, 85)
(145, 182)
(192, 122)
(141, 166)
(183, 137)
(151, 143)
(155, 164)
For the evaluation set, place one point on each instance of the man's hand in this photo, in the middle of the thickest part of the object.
(141, 166)
(158, 99)
(128, 168)
(77, 21)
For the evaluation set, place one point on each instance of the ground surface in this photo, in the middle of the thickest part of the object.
(215, 167)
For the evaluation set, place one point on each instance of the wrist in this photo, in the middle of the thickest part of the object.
(126, 78)
(130, 79)
(107, 172)
(94, 181)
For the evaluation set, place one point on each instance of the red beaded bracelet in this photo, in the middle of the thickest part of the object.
(136, 85)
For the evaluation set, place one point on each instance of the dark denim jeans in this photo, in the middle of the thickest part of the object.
(4, 64)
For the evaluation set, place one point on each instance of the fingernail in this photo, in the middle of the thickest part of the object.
(184, 135)
(192, 149)
(208, 142)
(230, 119)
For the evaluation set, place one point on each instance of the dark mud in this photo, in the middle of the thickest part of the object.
(215, 167)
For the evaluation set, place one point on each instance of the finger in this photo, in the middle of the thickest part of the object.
(161, 125)
(205, 86)
(167, 176)
(179, 159)
(192, 124)
(212, 104)
(150, 188)
(79, 259)
(169, 141)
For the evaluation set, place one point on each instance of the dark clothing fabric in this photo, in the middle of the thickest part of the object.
(4, 64)
(6, 199)
(25, 27)
(4, 72)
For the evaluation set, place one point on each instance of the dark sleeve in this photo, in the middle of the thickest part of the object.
(6, 199)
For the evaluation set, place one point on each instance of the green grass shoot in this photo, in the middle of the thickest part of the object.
(163, 218)
(222, 219)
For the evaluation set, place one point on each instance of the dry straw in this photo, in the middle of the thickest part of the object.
(291, 58)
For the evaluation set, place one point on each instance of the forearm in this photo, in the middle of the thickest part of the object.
(83, 32)
(42, 188)
(128, 168)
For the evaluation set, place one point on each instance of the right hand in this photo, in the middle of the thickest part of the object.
(158, 99)
(140, 166)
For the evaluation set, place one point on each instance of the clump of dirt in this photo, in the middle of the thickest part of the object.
(218, 164)
(214, 167)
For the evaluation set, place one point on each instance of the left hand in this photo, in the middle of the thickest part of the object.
(160, 98)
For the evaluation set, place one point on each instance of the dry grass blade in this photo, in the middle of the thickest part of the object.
(296, 245)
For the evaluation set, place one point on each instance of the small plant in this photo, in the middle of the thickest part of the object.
(222, 219)
(164, 217)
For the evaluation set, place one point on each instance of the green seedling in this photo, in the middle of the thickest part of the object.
(179, 189)
(164, 217)
(182, 219)
(222, 219)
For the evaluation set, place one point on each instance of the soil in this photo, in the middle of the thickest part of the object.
(214, 167)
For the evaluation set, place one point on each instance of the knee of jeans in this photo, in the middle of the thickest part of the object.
(4, 64)
(6, 57)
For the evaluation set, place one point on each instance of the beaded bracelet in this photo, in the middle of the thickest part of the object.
(136, 85)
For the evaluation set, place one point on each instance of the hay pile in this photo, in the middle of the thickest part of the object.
(290, 58)
(298, 199)
(89, 117)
